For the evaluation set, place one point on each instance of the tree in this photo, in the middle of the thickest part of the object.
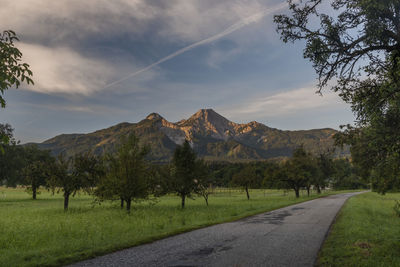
(323, 171)
(246, 178)
(6, 135)
(159, 176)
(375, 154)
(183, 172)
(346, 176)
(73, 174)
(89, 169)
(203, 180)
(222, 172)
(35, 174)
(297, 172)
(11, 158)
(62, 179)
(270, 172)
(37, 168)
(127, 175)
(363, 38)
(108, 186)
(12, 71)
(360, 49)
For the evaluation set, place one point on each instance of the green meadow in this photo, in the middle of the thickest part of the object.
(39, 232)
(366, 233)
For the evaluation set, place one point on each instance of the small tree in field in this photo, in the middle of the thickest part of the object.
(128, 174)
(62, 179)
(74, 174)
(298, 171)
(89, 169)
(203, 180)
(246, 178)
(37, 168)
(183, 172)
(35, 175)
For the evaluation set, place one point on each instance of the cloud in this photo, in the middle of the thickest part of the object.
(283, 104)
(198, 19)
(56, 31)
(176, 20)
(253, 18)
(63, 20)
(76, 107)
(62, 70)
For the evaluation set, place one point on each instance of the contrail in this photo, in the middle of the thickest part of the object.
(238, 25)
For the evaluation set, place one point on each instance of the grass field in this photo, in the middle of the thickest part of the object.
(367, 233)
(40, 233)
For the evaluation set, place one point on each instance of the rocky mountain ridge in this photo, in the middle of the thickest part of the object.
(213, 137)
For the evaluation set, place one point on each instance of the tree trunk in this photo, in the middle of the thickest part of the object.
(34, 189)
(318, 189)
(66, 200)
(297, 192)
(122, 203)
(128, 204)
(183, 200)
(206, 199)
(247, 192)
(308, 191)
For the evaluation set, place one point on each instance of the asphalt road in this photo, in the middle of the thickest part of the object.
(290, 236)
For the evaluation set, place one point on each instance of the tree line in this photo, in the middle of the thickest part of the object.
(303, 170)
(127, 176)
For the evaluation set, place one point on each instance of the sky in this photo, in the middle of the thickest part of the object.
(97, 63)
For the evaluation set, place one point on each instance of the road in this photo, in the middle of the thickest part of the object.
(290, 236)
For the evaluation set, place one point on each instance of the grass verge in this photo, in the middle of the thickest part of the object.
(39, 232)
(366, 233)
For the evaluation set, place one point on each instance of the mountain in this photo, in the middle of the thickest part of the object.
(211, 135)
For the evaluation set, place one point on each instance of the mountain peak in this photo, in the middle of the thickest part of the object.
(207, 122)
(206, 111)
(208, 115)
(154, 116)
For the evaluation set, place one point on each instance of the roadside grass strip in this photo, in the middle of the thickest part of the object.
(366, 233)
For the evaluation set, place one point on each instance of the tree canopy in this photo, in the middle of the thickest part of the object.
(70, 175)
(37, 168)
(12, 73)
(127, 174)
(296, 172)
(362, 32)
(184, 170)
(246, 178)
(11, 157)
(6, 135)
(12, 70)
